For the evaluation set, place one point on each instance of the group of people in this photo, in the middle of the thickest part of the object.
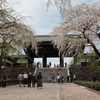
(30, 80)
(52, 78)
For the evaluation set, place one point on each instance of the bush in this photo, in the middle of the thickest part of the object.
(10, 82)
(89, 84)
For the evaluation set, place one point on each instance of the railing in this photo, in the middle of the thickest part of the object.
(35, 70)
(68, 73)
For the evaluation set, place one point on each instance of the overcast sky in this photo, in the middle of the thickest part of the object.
(41, 20)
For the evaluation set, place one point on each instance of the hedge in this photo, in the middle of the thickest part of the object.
(10, 82)
(89, 84)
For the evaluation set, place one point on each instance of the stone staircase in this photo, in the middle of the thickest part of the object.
(47, 71)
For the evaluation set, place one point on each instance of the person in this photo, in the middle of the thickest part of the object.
(94, 78)
(25, 76)
(29, 79)
(74, 77)
(37, 64)
(20, 78)
(40, 64)
(4, 79)
(50, 78)
(39, 80)
(58, 78)
(50, 64)
(54, 65)
(68, 78)
(33, 80)
(65, 64)
(34, 65)
(53, 78)
(59, 66)
(62, 79)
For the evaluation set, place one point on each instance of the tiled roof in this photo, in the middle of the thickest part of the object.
(45, 38)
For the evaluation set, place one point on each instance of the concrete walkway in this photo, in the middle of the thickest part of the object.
(66, 91)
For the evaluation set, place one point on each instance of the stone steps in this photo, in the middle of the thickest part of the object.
(47, 71)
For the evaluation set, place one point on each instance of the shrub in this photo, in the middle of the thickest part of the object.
(10, 82)
(89, 84)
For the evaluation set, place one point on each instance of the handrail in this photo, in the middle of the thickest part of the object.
(68, 73)
(35, 70)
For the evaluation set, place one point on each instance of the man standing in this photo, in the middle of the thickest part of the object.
(68, 78)
(62, 79)
(29, 79)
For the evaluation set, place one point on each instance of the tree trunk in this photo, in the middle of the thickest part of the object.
(1, 56)
(92, 44)
(95, 49)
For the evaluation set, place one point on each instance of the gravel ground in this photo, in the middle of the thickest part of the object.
(49, 92)
(66, 91)
(72, 91)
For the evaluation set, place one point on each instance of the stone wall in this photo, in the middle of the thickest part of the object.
(83, 73)
(12, 73)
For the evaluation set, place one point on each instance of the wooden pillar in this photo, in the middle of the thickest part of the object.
(61, 61)
(44, 60)
(33, 60)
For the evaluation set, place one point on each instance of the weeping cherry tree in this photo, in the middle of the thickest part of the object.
(14, 32)
(83, 20)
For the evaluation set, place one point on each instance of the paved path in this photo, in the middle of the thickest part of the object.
(75, 92)
(66, 91)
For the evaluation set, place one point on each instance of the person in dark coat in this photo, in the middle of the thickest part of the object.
(62, 79)
(68, 78)
(39, 80)
(29, 79)
(25, 77)
(94, 78)
(4, 81)
(33, 80)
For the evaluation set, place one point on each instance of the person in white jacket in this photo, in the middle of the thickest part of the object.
(20, 78)
(58, 78)
(25, 79)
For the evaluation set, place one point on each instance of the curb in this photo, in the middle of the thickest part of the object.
(92, 90)
(88, 88)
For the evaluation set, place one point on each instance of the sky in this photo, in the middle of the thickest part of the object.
(37, 16)
(41, 20)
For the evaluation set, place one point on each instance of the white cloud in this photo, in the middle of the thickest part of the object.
(41, 21)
